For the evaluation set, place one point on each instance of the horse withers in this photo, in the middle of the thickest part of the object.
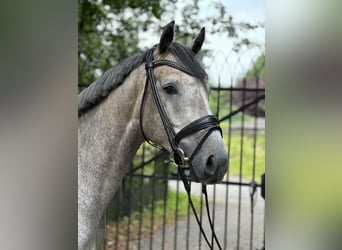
(160, 96)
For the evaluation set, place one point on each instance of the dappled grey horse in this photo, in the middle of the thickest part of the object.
(160, 96)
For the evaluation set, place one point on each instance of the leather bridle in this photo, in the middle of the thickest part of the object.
(209, 123)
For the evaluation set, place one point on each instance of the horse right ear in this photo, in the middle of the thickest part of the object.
(166, 37)
(198, 41)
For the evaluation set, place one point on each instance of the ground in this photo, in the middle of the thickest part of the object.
(181, 240)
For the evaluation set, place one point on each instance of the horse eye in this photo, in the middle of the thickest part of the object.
(170, 90)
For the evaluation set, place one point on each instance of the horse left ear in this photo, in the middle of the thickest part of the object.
(166, 37)
(198, 41)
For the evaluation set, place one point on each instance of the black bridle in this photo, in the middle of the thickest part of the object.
(183, 161)
(208, 122)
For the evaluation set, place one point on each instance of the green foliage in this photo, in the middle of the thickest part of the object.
(245, 160)
(109, 29)
(107, 35)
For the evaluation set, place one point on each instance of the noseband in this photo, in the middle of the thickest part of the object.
(208, 122)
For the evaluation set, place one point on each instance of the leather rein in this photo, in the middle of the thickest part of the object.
(183, 161)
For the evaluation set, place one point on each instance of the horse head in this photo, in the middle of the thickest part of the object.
(176, 113)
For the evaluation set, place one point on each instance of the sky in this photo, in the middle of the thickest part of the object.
(225, 66)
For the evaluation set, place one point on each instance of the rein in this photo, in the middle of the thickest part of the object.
(183, 161)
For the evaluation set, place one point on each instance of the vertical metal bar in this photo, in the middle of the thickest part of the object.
(264, 243)
(128, 234)
(201, 215)
(141, 196)
(213, 214)
(255, 130)
(214, 195)
(105, 229)
(241, 163)
(152, 208)
(218, 98)
(228, 174)
(118, 209)
(252, 223)
(188, 224)
(176, 217)
(166, 170)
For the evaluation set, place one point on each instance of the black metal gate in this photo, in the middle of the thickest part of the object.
(151, 209)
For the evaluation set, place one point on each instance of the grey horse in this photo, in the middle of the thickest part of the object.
(110, 127)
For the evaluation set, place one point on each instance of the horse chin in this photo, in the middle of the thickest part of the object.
(205, 178)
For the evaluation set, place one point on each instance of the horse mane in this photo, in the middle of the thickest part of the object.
(114, 77)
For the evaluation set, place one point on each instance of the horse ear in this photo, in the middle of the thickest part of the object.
(166, 37)
(198, 41)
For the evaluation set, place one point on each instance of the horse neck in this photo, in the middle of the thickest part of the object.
(112, 128)
(122, 119)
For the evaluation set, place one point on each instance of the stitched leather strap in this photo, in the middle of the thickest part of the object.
(205, 122)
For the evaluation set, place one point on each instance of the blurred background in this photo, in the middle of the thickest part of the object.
(39, 84)
(151, 209)
(110, 31)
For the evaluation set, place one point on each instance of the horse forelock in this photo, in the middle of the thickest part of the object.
(186, 57)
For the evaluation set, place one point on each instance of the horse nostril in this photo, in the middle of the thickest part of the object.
(211, 168)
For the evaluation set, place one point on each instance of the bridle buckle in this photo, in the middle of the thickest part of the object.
(180, 158)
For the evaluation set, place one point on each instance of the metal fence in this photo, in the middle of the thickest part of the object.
(151, 209)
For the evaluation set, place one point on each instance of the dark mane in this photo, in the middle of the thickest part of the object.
(102, 87)
(112, 78)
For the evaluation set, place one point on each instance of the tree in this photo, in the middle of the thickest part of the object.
(109, 29)
(100, 44)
